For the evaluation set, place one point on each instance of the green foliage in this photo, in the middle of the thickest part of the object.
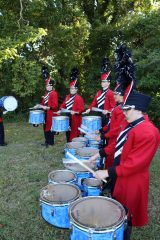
(63, 34)
(9, 46)
(26, 82)
(142, 34)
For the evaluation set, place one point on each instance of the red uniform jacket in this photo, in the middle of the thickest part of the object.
(76, 119)
(53, 104)
(132, 185)
(109, 100)
(115, 128)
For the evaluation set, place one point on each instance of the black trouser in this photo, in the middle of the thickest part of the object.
(49, 137)
(68, 132)
(67, 135)
(1, 133)
(105, 119)
(128, 229)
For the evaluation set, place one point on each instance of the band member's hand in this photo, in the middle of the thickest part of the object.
(105, 112)
(87, 111)
(73, 112)
(97, 132)
(44, 107)
(37, 106)
(101, 174)
(94, 157)
(59, 112)
(97, 138)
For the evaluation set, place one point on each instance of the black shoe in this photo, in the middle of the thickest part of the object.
(47, 145)
(3, 144)
(44, 144)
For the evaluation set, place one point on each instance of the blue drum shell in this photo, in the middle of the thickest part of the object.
(92, 123)
(92, 187)
(55, 200)
(60, 124)
(36, 117)
(99, 218)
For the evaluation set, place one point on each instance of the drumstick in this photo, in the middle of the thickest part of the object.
(97, 109)
(80, 129)
(85, 128)
(84, 113)
(83, 165)
(65, 160)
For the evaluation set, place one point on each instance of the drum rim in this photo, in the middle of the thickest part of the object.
(91, 117)
(56, 203)
(36, 111)
(101, 229)
(81, 143)
(83, 140)
(62, 170)
(60, 117)
(88, 186)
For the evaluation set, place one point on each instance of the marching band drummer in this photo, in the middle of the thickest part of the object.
(135, 148)
(125, 77)
(117, 117)
(104, 98)
(2, 135)
(49, 104)
(75, 103)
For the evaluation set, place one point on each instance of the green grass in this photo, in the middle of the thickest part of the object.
(24, 169)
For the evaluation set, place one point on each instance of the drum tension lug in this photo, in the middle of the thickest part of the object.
(52, 213)
(114, 235)
(90, 233)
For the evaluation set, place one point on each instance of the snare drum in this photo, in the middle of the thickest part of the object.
(91, 141)
(92, 123)
(55, 200)
(72, 148)
(97, 218)
(92, 187)
(60, 124)
(81, 176)
(81, 139)
(36, 117)
(62, 176)
(9, 103)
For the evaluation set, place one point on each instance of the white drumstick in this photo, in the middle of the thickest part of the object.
(84, 128)
(80, 129)
(83, 165)
(96, 109)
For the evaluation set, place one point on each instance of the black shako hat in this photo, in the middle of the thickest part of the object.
(137, 101)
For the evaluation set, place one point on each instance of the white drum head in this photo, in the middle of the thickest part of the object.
(10, 103)
(97, 213)
(60, 193)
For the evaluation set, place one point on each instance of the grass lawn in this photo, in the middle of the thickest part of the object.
(24, 169)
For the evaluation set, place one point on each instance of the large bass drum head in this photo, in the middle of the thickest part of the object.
(10, 103)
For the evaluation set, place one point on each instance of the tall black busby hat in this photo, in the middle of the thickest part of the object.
(105, 71)
(74, 77)
(125, 70)
(45, 73)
